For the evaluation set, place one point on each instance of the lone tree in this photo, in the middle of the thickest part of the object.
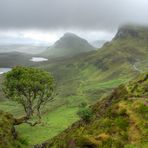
(30, 87)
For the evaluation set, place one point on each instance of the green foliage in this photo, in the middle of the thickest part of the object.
(105, 123)
(121, 122)
(143, 108)
(85, 112)
(30, 87)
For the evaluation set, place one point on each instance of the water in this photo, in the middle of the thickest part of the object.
(38, 59)
(4, 70)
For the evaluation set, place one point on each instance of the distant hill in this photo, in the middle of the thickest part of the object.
(23, 48)
(10, 59)
(69, 45)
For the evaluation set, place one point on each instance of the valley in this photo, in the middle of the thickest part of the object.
(73, 74)
(85, 76)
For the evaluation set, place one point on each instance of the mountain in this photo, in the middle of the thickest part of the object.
(118, 120)
(69, 45)
(91, 74)
(132, 31)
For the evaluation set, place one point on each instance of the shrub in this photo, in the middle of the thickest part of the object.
(84, 112)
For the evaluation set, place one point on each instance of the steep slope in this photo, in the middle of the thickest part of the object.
(119, 120)
(69, 45)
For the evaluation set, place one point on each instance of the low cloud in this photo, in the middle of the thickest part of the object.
(72, 14)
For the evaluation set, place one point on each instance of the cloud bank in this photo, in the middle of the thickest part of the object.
(72, 14)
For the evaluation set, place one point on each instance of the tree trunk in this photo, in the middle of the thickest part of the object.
(29, 111)
(20, 120)
(24, 120)
(39, 114)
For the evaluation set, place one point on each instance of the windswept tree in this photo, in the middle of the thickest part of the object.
(30, 87)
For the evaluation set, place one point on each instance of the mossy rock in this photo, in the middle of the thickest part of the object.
(8, 135)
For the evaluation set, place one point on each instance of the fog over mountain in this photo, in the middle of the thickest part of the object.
(84, 14)
(93, 20)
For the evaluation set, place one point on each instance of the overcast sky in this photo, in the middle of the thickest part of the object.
(47, 20)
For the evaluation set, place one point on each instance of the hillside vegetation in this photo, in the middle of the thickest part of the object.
(119, 120)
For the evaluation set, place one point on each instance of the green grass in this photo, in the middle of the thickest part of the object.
(103, 85)
(11, 107)
(53, 123)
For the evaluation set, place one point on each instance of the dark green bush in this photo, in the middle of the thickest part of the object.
(85, 112)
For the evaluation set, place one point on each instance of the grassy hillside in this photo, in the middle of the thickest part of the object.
(118, 120)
